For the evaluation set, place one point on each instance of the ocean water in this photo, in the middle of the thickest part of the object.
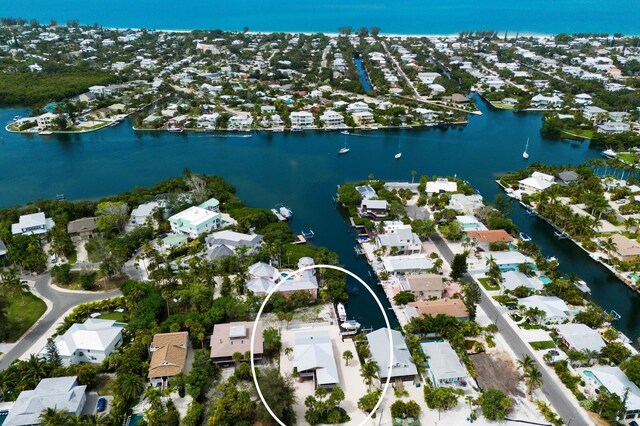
(405, 17)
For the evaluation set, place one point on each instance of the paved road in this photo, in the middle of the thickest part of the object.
(552, 386)
(61, 302)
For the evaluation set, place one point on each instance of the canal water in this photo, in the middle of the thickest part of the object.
(302, 170)
(364, 78)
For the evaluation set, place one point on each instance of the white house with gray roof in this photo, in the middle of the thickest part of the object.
(615, 381)
(225, 243)
(580, 337)
(313, 358)
(402, 369)
(444, 366)
(32, 224)
(92, 341)
(401, 240)
(61, 393)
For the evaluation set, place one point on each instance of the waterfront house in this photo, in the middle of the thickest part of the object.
(301, 119)
(470, 223)
(625, 249)
(459, 99)
(143, 212)
(82, 228)
(555, 309)
(229, 338)
(63, 394)
(195, 221)
(332, 118)
(92, 342)
(207, 121)
(366, 191)
(407, 263)
(173, 240)
(264, 278)
(441, 185)
(313, 358)
(32, 224)
(45, 120)
(423, 286)
(514, 279)
(168, 357)
(579, 337)
(466, 204)
(362, 118)
(537, 182)
(444, 366)
(240, 122)
(566, 177)
(225, 243)
(450, 307)
(483, 238)
(542, 101)
(615, 381)
(357, 107)
(403, 370)
(399, 241)
(613, 127)
(375, 209)
(506, 260)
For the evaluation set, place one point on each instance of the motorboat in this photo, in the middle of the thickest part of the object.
(247, 136)
(342, 312)
(343, 150)
(174, 129)
(345, 132)
(350, 325)
(553, 259)
(609, 153)
(398, 155)
(583, 287)
(524, 237)
(282, 212)
(45, 132)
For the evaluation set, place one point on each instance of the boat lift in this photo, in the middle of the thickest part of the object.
(614, 315)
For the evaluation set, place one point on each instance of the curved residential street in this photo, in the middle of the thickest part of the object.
(59, 302)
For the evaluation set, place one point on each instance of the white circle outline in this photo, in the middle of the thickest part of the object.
(384, 314)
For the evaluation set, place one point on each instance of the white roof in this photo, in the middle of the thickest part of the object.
(61, 393)
(379, 344)
(507, 257)
(31, 221)
(94, 334)
(194, 215)
(514, 279)
(581, 337)
(313, 350)
(617, 382)
(553, 306)
(442, 185)
(145, 209)
(443, 361)
(374, 204)
(408, 262)
(467, 219)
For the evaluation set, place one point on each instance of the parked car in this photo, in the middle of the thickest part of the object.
(102, 405)
(621, 201)
(54, 258)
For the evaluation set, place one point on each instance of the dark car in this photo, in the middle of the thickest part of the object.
(553, 352)
(102, 405)
(633, 423)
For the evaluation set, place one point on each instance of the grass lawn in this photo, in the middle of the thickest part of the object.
(502, 106)
(23, 312)
(488, 285)
(545, 344)
(99, 285)
(116, 316)
(582, 133)
(627, 158)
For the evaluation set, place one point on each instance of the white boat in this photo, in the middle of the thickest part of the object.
(278, 215)
(524, 237)
(16, 118)
(284, 212)
(398, 155)
(344, 150)
(350, 325)
(296, 129)
(525, 154)
(342, 312)
(278, 129)
(175, 129)
(45, 132)
(553, 259)
(609, 153)
(583, 287)
(247, 136)
(345, 132)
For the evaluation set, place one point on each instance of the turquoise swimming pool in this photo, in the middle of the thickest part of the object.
(588, 373)
(135, 419)
(545, 280)
(635, 276)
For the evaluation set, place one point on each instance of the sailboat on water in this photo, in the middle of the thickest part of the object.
(344, 149)
(399, 154)
(525, 154)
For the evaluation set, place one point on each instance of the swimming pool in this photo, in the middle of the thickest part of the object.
(635, 276)
(588, 373)
(544, 280)
(134, 419)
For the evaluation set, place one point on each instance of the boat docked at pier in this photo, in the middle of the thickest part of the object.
(283, 213)
(342, 312)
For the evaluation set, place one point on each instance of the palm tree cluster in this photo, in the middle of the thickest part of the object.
(531, 373)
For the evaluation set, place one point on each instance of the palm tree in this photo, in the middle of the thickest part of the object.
(130, 386)
(589, 356)
(629, 223)
(52, 417)
(347, 356)
(237, 357)
(11, 282)
(368, 371)
(533, 379)
(609, 245)
(526, 363)
(288, 351)
(35, 369)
